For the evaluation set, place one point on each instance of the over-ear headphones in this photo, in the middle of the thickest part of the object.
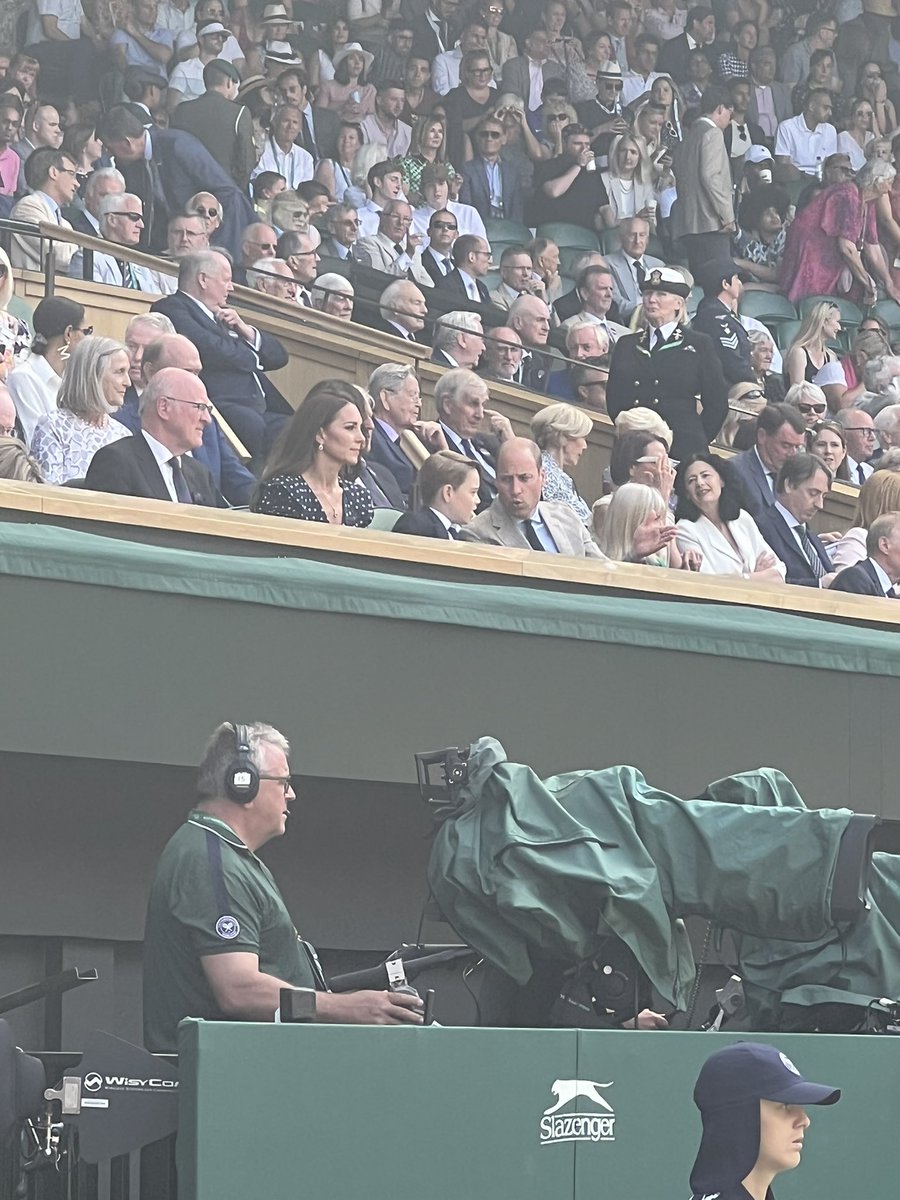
(241, 777)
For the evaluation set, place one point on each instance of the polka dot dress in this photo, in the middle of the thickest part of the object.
(291, 496)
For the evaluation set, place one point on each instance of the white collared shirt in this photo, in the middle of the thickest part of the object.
(664, 332)
(388, 430)
(445, 521)
(883, 579)
(806, 148)
(853, 467)
(544, 536)
(163, 456)
(470, 285)
(770, 475)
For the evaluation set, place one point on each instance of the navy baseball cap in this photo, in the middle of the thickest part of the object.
(729, 1088)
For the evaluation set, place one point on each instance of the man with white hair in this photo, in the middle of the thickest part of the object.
(503, 353)
(881, 377)
(393, 249)
(402, 309)
(461, 398)
(887, 426)
(394, 389)
(861, 439)
(105, 182)
(121, 220)
(273, 277)
(299, 251)
(458, 340)
(333, 294)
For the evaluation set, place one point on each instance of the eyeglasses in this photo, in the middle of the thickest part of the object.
(284, 780)
(7, 431)
(493, 134)
(613, 83)
(130, 215)
(806, 409)
(206, 212)
(67, 170)
(198, 404)
(867, 433)
(87, 330)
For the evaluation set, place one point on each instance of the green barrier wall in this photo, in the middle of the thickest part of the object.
(460, 1114)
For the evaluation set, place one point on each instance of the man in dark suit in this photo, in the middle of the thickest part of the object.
(437, 257)
(800, 492)
(165, 167)
(471, 257)
(780, 433)
(700, 32)
(529, 316)
(460, 399)
(222, 126)
(879, 573)
(319, 126)
(394, 389)
(402, 309)
(436, 30)
(494, 187)
(235, 355)
(156, 463)
(150, 352)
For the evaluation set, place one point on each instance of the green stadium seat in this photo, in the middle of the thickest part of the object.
(609, 242)
(694, 299)
(889, 311)
(785, 332)
(851, 313)
(767, 306)
(385, 519)
(569, 235)
(509, 232)
(492, 280)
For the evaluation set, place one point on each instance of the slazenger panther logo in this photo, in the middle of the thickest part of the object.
(578, 1126)
(227, 927)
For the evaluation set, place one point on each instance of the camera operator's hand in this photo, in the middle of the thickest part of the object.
(370, 1008)
(647, 1019)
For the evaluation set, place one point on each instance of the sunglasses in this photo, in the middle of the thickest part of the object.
(207, 212)
(489, 133)
(87, 330)
(806, 409)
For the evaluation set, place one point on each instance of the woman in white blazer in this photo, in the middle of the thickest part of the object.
(710, 520)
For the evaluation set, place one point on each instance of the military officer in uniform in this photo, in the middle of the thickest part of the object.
(752, 1101)
(717, 315)
(668, 368)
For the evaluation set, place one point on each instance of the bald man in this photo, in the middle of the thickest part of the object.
(232, 479)
(156, 463)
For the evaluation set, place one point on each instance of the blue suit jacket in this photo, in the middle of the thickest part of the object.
(757, 493)
(774, 529)
(475, 190)
(229, 370)
(185, 166)
(230, 476)
(385, 452)
(861, 579)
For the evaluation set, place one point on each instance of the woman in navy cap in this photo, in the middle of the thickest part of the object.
(751, 1099)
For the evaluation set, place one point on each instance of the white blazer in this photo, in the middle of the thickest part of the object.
(719, 556)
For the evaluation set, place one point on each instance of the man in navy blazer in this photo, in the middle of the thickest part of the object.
(231, 477)
(394, 389)
(489, 165)
(800, 492)
(165, 167)
(235, 355)
(156, 462)
(471, 256)
(780, 433)
(424, 522)
(878, 574)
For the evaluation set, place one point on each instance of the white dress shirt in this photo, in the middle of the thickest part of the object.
(33, 386)
(445, 71)
(163, 456)
(544, 536)
(296, 164)
(853, 467)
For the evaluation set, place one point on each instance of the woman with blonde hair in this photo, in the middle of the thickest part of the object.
(629, 508)
(809, 352)
(561, 432)
(93, 388)
(630, 194)
(879, 494)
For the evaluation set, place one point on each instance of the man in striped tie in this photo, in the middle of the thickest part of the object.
(121, 220)
(800, 490)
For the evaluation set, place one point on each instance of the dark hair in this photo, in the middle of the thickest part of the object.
(310, 189)
(75, 139)
(297, 73)
(465, 244)
(649, 39)
(826, 426)
(39, 162)
(755, 203)
(774, 416)
(816, 21)
(295, 449)
(11, 100)
(342, 71)
(215, 71)
(386, 85)
(51, 318)
(262, 181)
(730, 499)
(714, 97)
(380, 169)
(817, 92)
(818, 56)
(626, 450)
(576, 130)
(800, 468)
(120, 122)
(697, 14)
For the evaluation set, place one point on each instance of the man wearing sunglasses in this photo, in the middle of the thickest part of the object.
(494, 187)
(121, 220)
(156, 463)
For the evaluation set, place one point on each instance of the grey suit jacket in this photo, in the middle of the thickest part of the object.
(378, 252)
(625, 289)
(515, 76)
(495, 527)
(705, 207)
(781, 99)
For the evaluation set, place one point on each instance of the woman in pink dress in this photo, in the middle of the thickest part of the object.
(832, 246)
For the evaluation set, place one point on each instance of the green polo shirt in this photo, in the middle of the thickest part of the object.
(210, 895)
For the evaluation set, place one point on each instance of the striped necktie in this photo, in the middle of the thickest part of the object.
(810, 551)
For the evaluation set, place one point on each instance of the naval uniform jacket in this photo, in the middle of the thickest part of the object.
(729, 336)
(681, 380)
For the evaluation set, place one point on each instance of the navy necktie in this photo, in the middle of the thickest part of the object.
(531, 536)
(182, 491)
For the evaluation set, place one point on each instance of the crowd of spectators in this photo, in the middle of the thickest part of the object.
(685, 219)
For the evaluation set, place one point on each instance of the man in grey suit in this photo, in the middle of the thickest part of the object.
(770, 101)
(527, 74)
(703, 214)
(520, 519)
(630, 265)
(780, 434)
